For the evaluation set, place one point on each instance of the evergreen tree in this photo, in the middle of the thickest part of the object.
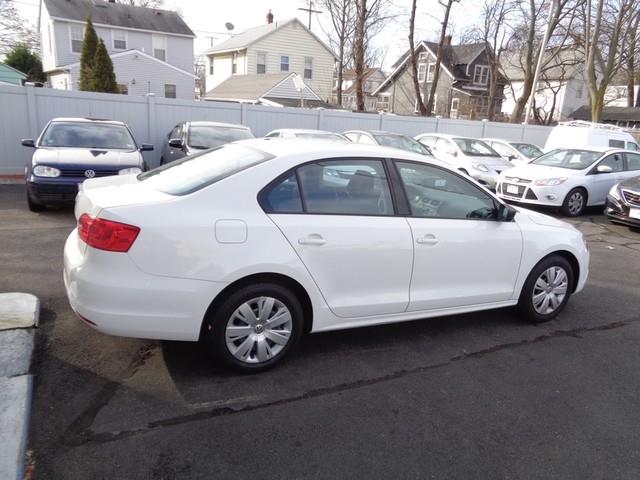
(23, 59)
(89, 46)
(104, 78)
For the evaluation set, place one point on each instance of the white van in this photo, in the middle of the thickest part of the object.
(578, 133)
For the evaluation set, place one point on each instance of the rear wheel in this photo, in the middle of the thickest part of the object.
(33, 205)
(574, 203)
(547, 289)
(255, 327)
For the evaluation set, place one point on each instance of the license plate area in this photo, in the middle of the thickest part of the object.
(634, 213)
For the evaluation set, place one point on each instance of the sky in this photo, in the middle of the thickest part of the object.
(207, 18)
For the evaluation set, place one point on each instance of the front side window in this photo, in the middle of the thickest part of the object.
(201, 137)
(261, 62)
(119, 39)
(159, 45)
(345, 187)
(284, 63)
(565, 158)
(437, 193)
(88, 135)
(169, 90)
(481, 74)
(476, 148)
(503, 150)
(614, 161)
(308, 68)
(528, 150)
(428, 141)
(633, 161)
(632, 146)
(401, 142)
(77, 36)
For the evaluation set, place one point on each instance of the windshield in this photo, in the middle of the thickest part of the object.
(528, 150)
(194, 172)
(476, 148)
(322, 136)
(401, 142)
(88, 135)
(209, 137)
(572, 159)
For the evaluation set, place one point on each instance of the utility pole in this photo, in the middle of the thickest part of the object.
(311, 10)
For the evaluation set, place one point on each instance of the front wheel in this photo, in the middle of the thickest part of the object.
(574, 203)
(547, 289)
(255, 327)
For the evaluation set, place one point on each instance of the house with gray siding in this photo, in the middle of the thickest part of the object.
(463, 83)
(151, 49)
(275, 47)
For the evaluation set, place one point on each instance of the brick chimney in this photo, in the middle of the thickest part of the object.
(269, 17)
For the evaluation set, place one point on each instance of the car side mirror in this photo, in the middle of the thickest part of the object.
(146, 147)
(176, 143)
(28, 142)
(511, 158)
(506, 213)
(604, 169)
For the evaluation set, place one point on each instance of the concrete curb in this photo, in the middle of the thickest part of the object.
(19, 315)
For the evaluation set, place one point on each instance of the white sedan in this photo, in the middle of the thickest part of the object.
(570, 179)
(251, 245)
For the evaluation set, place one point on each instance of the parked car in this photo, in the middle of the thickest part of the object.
(308, 134)
(516, 152)
(387, 139)
(579, 134)
(623, 201)
(570, 179)
(251, 245)
(469, 155)
(70, 150)
(187, 138)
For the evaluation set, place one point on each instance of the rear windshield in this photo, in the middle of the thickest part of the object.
(401, 142)
(528, 150)
(195, 172)
(572, 159)
(87, 135)
(204, 137)
(475, 148)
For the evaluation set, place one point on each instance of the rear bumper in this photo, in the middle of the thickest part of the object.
(109, 291)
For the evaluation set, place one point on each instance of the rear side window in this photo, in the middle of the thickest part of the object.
(195, 172)
(616, 143)
(633, 161)
(283, 197)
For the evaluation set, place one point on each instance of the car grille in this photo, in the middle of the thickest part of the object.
(80, 172)
(44, 192)
(632, 198)
(517, 180)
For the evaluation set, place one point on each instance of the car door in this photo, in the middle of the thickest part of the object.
(599, 184)
(463, 256)
(339, 217)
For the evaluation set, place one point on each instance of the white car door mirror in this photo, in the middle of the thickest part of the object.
(604, 169)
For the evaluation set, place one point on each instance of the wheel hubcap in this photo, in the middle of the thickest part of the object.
(575, 202)
(258, 330)
(549, 290)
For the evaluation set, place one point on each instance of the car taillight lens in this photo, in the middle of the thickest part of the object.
(105, 234)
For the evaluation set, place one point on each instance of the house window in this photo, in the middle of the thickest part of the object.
(416, 109)
(77, 34)
(169, 90)
(422, 58)
(284, 63)
(119, 39)
(308, 68)
(159, 45)
(480, 104)
(261, 62)
(234, 63)
(123, 88)
(455, 106)
(422, 72)
(383, 102)
(481, 74)
(211, 66)
(431, 70)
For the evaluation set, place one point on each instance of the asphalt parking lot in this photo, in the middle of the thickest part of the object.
(472, 396)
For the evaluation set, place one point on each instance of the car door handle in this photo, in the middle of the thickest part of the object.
(427, 240)
(313, 239)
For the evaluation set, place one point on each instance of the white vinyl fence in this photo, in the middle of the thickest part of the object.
(24, 111)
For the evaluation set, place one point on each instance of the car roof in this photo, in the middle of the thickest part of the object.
(375, 132)
(216, 124)
(87, 120)
(280, 147)
(303, 130)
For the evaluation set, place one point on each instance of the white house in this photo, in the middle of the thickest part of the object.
(276, 47)
(562, 87)
(151, 49)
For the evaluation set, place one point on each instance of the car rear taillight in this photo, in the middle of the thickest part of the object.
(105, 234)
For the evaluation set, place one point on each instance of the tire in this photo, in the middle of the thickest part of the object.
(258, 340)
(34, 206)
(574, 203)
(534, 311)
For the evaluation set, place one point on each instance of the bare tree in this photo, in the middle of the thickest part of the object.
(608, 46)
(144, 3)
(15, 30)
(414, 62)
(446, 4)
(631, 61)
(343, 25)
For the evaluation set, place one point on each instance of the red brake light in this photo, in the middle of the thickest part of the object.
(105, 234)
